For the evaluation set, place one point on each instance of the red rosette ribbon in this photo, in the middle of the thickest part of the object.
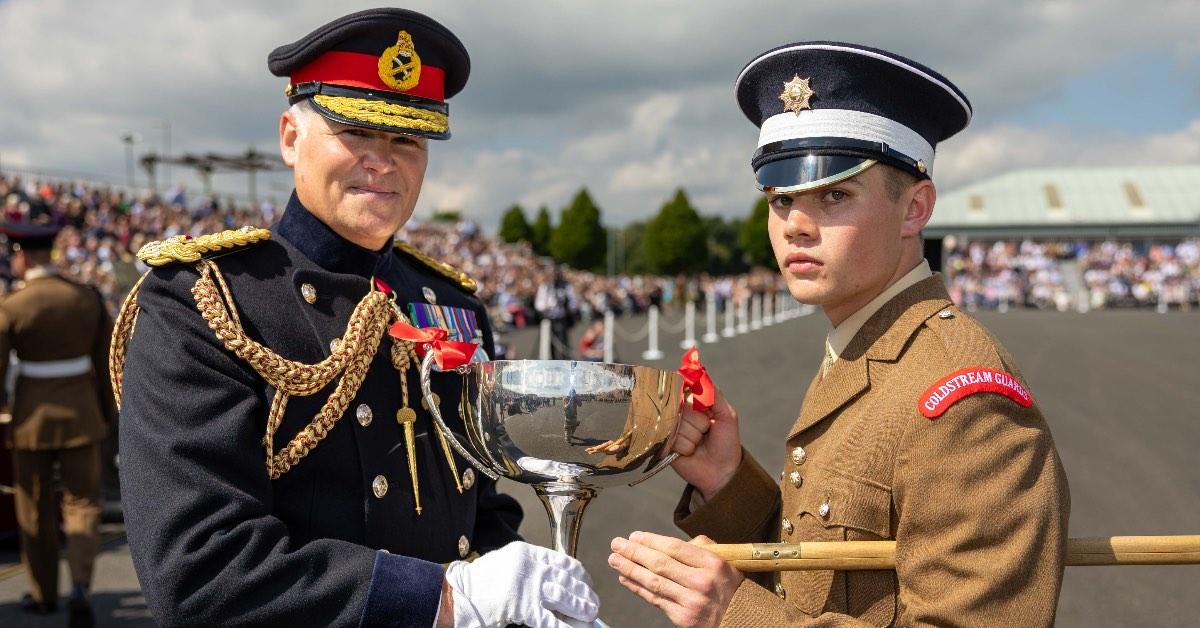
(449, 354)
(697, 381)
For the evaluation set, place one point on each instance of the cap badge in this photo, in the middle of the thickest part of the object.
(399, 65)
(796, 93)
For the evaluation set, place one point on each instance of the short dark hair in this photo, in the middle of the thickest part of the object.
(897, 181)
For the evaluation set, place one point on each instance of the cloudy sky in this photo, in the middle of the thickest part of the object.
(631, 98)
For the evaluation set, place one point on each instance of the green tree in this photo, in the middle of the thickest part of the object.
(579, 240)
(675, 239)
(514, 227)
(446, 216)
(539, 234)
(631, 237)
(754, 239)
(725, 255)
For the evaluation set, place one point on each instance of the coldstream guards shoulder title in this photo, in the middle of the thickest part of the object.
(276, 467)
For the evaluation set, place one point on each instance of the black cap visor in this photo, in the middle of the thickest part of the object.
(802, 172)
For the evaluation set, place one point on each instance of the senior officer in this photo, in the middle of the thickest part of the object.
(277, 466)
(918, 426)
(61, 408)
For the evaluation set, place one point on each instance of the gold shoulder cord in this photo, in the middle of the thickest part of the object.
(351, 360)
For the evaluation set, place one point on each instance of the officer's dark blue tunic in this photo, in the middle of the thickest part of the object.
(214, 540)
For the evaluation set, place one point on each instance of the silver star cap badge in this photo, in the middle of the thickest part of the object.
(796, 93)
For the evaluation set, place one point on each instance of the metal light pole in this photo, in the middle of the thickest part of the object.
(130, 138)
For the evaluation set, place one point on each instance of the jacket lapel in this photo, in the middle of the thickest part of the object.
(882, 338)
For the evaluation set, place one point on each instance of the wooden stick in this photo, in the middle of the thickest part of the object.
(859, 555)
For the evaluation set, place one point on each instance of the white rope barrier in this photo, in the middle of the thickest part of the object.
(609, 324)
(653, 353)
(689, 324)
(544, 340)
(710, 318)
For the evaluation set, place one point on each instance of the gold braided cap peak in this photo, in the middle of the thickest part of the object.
(186, 249)
(442, 268)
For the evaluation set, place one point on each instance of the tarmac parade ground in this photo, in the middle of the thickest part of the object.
(1121, 391)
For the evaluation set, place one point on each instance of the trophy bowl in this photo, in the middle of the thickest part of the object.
(567, 428)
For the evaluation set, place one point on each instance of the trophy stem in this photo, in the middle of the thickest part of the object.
(564, 504)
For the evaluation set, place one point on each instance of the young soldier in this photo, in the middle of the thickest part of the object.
(918, 426)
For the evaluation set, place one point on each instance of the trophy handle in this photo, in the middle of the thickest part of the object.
(436, 412)
(662, 464)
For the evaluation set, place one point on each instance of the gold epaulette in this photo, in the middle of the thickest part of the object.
(186, 249)
(463, 280)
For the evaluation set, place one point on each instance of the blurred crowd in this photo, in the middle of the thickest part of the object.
(104, 227)
(1073, 274)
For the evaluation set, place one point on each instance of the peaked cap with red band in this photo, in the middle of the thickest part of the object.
(384, 69)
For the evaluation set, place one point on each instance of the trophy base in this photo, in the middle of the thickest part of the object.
(564, 505)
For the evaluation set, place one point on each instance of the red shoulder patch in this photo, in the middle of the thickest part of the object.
(969, 381)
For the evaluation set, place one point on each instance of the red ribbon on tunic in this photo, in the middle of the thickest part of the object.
(382, 286)
(448, 354)
(697, 381)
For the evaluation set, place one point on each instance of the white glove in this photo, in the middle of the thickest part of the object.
(522, 584)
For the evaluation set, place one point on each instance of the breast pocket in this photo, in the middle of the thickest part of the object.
(837, 507)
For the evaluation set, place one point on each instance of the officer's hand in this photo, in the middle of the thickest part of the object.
(691, 585)
(522, 584)
(709, 446)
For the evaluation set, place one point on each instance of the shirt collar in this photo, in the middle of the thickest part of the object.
(839, 338)
(325, 247)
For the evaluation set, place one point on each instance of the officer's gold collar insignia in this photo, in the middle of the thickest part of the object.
(399, 65)
(796, 93)
(463, 280)
(186, 249)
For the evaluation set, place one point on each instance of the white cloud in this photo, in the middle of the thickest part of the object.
(630, 98)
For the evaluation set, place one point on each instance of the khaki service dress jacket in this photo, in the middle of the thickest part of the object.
(975, 498)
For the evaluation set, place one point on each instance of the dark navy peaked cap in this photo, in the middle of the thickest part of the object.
(829, 110)
(385, 69)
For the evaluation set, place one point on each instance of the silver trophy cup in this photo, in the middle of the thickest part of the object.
(567, 428)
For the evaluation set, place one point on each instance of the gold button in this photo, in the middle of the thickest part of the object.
(468, 479)
(787, 526)
(780, 591)
(921, 167)
(464, 547)
(364, 414)
(437, 401)
(799, 455)
(334, 344)
(379, 486)
(823, 510)
(795, 478)
(308, 292)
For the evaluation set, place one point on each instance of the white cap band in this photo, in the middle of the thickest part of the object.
(857, 125)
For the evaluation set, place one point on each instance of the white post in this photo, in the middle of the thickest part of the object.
(730, 327)
(768, 308)
(544, 340)
(710, 317)
(756, 312)
(609, 321)
(743, 317)
(780, 304)
(652, 353)
(689, 326)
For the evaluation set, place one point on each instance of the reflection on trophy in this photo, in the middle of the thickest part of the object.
(567, 428)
